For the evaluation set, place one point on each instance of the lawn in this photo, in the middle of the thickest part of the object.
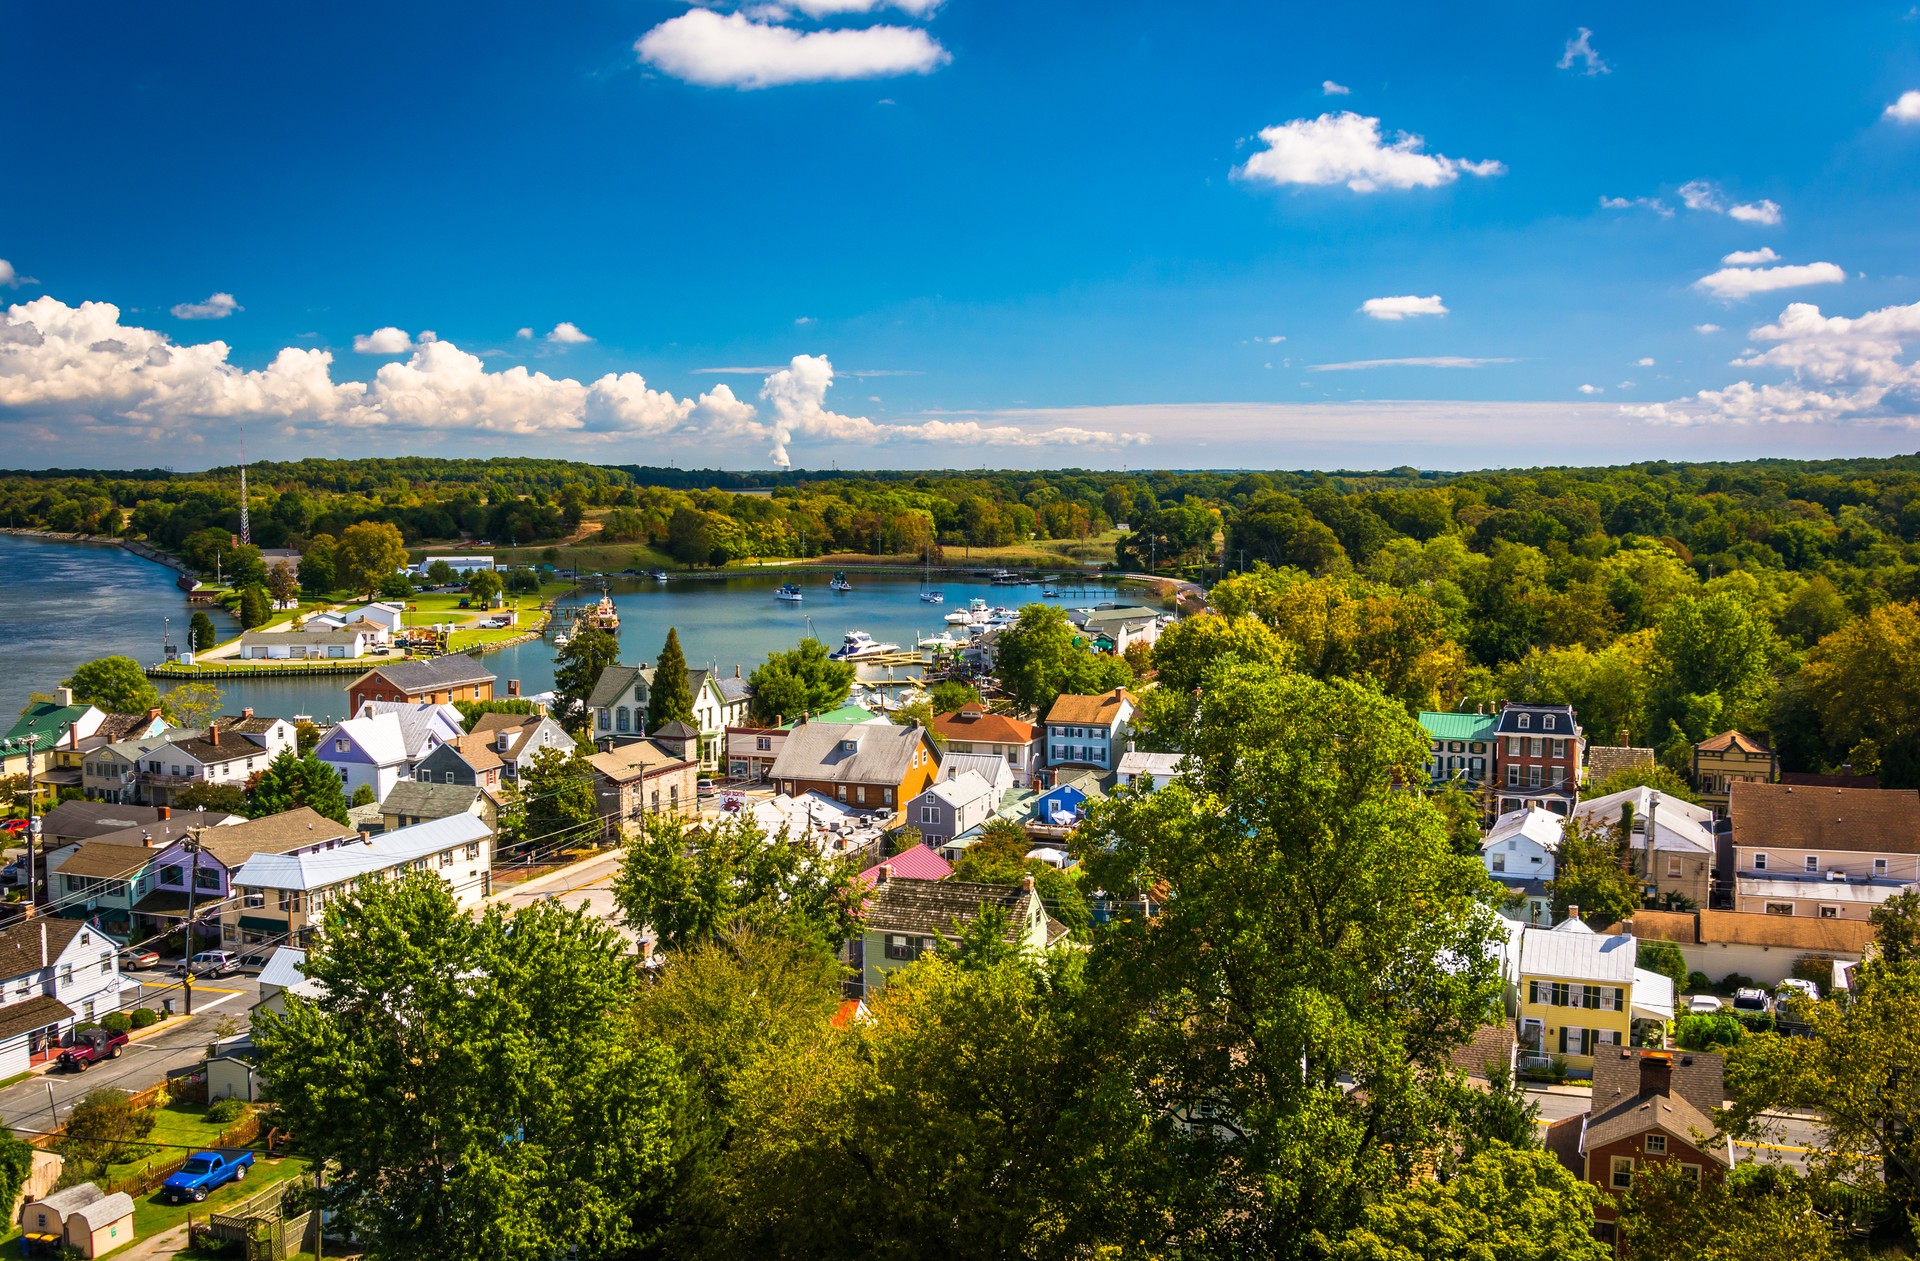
(589, 557)
(153, 1216)
(464, 639)
(178, 1125)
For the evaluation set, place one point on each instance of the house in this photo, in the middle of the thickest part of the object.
(229, 751)
(1728, 758)
(205, 869)
(1826, 853)
(1604, 761)
(110, 772)
(101, 879)
(1116, 628)
(906, 918)
(42, 727)
(470, 760)
(173, 825)
(975, 729)
(1763, 947)
(414, 801)
(54, 973)
(647, 777)
(871, 766)
(371, 752)
(233, 1072)
(454, 677)
(1149, 770)
(306, 645)
(1089, 731)
(67, 768)
(71, 822)
(82, 1218)
(1538, 753)
(988, 766)
(1575, 993)
(821, 822)
(284, 974)
(1649, 1107)
(382, 620)
(424, 724)
(1519, 851)
(1057, 811)
(469, 564)
(619, 700)
(916, 862)
(952, 806)
(282, 898)
(517, 737)
(1672, 842)
(752, 751)
(1462, 748)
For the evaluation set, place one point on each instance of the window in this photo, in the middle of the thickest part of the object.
(86, 1012)
(1513, 746)
(622, 720)
(1879, 866)
(423, 776)
(929, 814)
(254, 899)
(1559, 748)
(1525, 722)
(289, 899)
(66, 974)
(1533, 776)
(1656, 1144)
(1759, 862)
(1829, 912)
(449, 777)
(207, 878)
(106, 963)
(763, 744)
(1513, 776)
(860, 794)
(606, 721)
(1547, 722)
(1558, 776)
(473, 851)
(171, 874)
(1673, 866)
(340, 745)
(1499, 860)
(1779, 908)
(1536, 747)
(1813, 864)
(1560, 992)
(1692, 1173)
(902, 948)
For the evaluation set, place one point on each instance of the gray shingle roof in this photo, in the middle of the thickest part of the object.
(931, 907)
(881, 754)
(20, 944)
(614, 682)
(83, 820)
(35, 1013)
(452, 670)
(414, 800)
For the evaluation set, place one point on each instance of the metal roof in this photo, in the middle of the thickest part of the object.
(1578, 954)
(388, 850)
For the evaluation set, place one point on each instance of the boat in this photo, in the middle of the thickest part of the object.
(942, 642)
(975, 614)
(840, 582)
(788, 592)
(933, 597)
(1007, 578)
(602, 616)
(859, 644)
(562, 640)
(1049, 593)
(930, 594)
(658, 575)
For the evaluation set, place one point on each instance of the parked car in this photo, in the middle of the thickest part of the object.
(206, 1172)
(15, 872)
(209, 963)
(1704, 1004)
(94, 1045)
(1792, 986)
(1751, 1000)
(18, 827)
(139, 957)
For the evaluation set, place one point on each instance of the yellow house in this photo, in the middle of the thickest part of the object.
(1578, 991)
(1728, 758)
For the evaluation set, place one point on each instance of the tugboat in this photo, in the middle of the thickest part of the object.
(840, 582)
(787, 592)
(859, 644)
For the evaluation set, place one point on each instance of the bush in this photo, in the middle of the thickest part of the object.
(1702, 1032)
(1698, 982)
(143, 1017)
(1664, 958)
(116, 1022)
(227, 1111)
(1815, 968)
(1736, 981)
(1756, 1021)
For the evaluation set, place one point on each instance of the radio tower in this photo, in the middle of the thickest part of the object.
(245, 531)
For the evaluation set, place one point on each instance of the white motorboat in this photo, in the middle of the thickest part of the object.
(859, 644)
(788, 592)
(933, 597)
(942, 642)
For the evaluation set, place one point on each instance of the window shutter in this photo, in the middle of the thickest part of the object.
(1563, 1039)
(1619, 998)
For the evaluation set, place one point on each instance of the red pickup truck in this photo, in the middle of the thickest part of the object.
(93, 1046)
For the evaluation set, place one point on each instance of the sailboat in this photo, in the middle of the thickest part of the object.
(930, 595)
(840, 582)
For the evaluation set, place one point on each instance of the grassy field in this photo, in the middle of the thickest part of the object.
(588, 557)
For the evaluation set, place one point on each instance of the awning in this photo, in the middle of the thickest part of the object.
(258, 924)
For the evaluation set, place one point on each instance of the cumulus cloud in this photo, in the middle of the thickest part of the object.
(1837, 370)
(11, 278)
(1425, 361)
(1271, 341)
(385, 341)
(1580, 49)
(524, 334)
(1329, 88)
(1346, 148)
(1706, 328)
(567, 333)
(1733, 283)
(1702, 195)
(1706, 196)
(1403, 307)
(217, 307)
(1593, 389)
(1751, 258)
(1904, 110)
(1637, 203)
(1763, 212)
(731, 51)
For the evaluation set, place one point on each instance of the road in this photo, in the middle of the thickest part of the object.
(1788, 1144)
(30, 1106)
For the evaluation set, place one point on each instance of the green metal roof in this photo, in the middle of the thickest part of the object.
(846, 713)
(1458, 726)
(46, 720)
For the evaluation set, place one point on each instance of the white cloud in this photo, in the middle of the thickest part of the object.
(1751, 258)
(803, 320)
(383, 341)
(1706, 195)
(1706, 328)
(1643, 363)
(1346, 148)
(1329, 88)
(1839, 370)
(217, 307)
(567, 333)
(1702, 195)
(730, 51)
(1404, 307)
(1593, 389)
(1580, 48)
(524, 334)
(1426, 361)
(834, 8)
(1762, 212)
(1732, 283)
(11, 278)
(1904, 110)
(1637, 203)
(1271, 341)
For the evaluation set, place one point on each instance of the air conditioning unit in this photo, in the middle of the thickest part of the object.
(1837, 875)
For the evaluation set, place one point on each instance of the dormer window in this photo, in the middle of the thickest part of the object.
(1548, 723)
(849, 746)
(1526, 721)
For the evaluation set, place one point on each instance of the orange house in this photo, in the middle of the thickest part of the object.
(868, 766)
(454, 677)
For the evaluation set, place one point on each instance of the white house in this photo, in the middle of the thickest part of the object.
(952, 806)
(516, 738)
(54, 973)
(311, 644)
(382, 620)
(1519, 852)
(229, 751)
(370, 751)
(1159, 768)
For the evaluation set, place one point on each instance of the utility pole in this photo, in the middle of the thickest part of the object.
(246, 535)
(193, 885)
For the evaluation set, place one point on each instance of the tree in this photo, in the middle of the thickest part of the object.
(1760, 1210)
(1654, 776)
(225, 798)
(1059, 891)
(576, 672)
(474, 1084)
(1712, 659)
(669, 698)
(116, 685)
(283, 583)
(191, 705)
(440, 573)
(16, 1165)
(1864, 681)
(318, 569)
(693, 887)
(256, 607)
(368, 552)
(245, 568)
(1896, 930)
(557, 799)
(483, 586)
(1590, 872)
(363, 796)
(1316, 1034)
(951, 695)
(1663, 958)
(802, 680)
(1503, 1205)
(521, 580)
(293, 780)
(104, 1128)
(690, 537)
(395, 586)
(1037, 660)
(200, 633)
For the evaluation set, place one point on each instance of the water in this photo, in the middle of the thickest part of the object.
(64, 604)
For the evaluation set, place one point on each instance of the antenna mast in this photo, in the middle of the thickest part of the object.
(245, 531)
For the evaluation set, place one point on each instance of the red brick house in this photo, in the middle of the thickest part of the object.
(1537, 754)
(455, 677)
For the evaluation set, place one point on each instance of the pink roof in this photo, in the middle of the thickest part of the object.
(918, 863)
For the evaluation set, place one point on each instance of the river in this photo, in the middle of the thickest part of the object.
(65, 603)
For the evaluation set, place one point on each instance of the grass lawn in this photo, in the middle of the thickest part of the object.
(464, 639)
(153, 1216)
(181, 1124)
(590, 557)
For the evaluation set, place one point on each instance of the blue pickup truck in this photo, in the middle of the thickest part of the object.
(206, 1172)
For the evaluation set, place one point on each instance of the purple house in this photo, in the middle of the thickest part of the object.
(222, 852)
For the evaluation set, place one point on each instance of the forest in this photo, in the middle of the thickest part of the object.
(1665, 601)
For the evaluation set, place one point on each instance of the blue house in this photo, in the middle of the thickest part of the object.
(1059, 807)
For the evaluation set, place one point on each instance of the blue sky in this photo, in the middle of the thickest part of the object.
(997, 234)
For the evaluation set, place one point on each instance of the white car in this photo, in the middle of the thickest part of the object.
(1704, 1004)
(1793, 985)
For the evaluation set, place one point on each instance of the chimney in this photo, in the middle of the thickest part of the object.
(166, 812)
(736, 669)
(1026, 882)
(885, 874)
(43, 943)
(1656, 1075)
(213, 734)
(246, 713)
(1573, 912)
(1626, 926)
(64, 695)
(153, 713)
(366, 837)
